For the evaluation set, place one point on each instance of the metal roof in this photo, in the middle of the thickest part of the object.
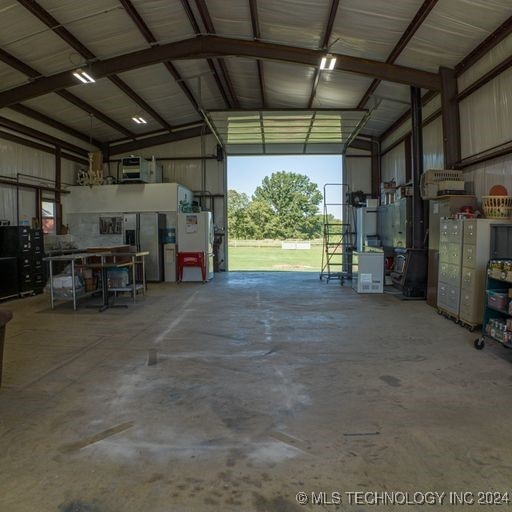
(276, 69)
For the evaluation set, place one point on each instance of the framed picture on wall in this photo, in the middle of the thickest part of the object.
(111, 225)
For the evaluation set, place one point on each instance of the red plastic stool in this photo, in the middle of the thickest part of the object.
(191, 259)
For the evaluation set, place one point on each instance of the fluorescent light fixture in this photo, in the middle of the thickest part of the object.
(91, 79)
(84, 77)
(139, 120)
(80, 77)
(328, 62)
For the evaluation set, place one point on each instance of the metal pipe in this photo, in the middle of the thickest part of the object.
(9, 181)
(173, 158)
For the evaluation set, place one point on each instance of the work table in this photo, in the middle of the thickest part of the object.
(107, 260)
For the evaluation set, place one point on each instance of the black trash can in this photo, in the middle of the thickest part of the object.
(5, 317)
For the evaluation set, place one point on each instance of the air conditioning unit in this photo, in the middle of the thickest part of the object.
(137, 169)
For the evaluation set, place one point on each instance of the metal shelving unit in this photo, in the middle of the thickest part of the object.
(490, 329)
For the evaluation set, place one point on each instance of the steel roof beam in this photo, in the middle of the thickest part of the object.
(151, 39)
(32, 73)
(34, 8)
(129, 147)
(230, 99)
(43, 118)
(190, 16)
(406, 115)
(37, 134)
(209, 46)
(20, 66)
(415, 24)
(121, 84)
(256, 33)
(208, 23)
(44, 16)
(139, 21)
(197, 30)
(81, 104)
(503, 31)
(325, 43)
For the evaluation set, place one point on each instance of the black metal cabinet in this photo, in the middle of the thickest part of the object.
(8, 278)
(26, 245)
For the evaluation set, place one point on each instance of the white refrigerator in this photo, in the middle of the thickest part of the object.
(195, 234)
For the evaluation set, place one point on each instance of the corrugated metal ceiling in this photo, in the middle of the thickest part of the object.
(362, 28)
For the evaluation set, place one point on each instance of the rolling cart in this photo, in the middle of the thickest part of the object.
(497, 321)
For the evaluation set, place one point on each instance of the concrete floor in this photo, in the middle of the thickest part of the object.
(265, 385)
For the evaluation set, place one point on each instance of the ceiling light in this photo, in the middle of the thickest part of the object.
(139, 120)
(83, 76)
(328, 62)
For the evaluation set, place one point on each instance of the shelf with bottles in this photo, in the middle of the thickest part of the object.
(500, 330)
(500, 270)
(497, 321)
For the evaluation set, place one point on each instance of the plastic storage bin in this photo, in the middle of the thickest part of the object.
(497, 300)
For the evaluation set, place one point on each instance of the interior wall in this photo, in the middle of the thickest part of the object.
(358, 171)
(432, 106)
(68, 171)
(480, 178)
(14, 159)
(393, 165)
(18, 158)
(393, 162)
(433, 157)
(486, 121)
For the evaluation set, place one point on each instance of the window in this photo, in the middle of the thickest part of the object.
(48, 209)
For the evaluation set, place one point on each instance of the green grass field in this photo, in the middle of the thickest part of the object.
(274, 258)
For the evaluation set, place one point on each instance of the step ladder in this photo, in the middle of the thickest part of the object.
(338, 234)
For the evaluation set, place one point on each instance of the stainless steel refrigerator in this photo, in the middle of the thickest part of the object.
(143, 231)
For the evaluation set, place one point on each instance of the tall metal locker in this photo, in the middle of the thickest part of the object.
(450, 254)
(439, 208)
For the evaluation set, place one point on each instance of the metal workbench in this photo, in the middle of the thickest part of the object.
(81, 260)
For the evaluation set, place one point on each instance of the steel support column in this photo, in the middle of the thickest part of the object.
(418, 224)
(451, 118)
(375, 169)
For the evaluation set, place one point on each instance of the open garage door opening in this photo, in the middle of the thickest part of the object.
(276, 211)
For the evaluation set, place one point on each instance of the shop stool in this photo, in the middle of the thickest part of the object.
(191, 259)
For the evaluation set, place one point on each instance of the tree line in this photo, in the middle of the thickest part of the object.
(284, 206)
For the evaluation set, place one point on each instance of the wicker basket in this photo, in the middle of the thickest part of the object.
(497, 207)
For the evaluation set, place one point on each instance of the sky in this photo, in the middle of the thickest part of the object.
(245, 173)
